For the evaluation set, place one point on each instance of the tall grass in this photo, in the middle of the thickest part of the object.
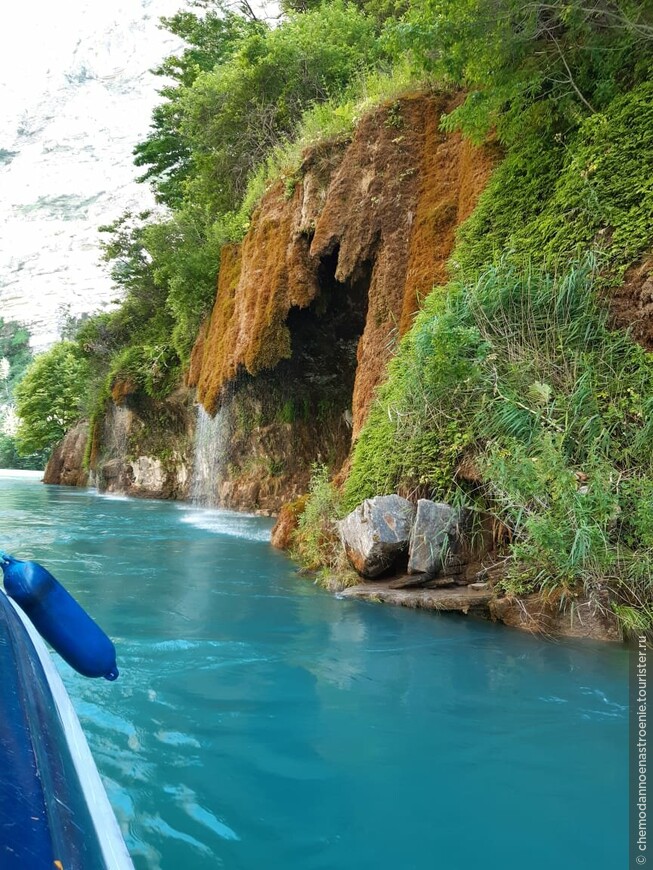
(316, 542)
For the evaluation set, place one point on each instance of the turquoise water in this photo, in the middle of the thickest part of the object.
(261, 724)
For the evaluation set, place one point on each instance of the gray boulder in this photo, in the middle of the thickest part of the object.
(434, 532)
(376, 532)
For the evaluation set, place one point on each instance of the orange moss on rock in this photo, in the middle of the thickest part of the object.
(453, 174)
(396, 199)
(197, 356)
(368, 218)
(122, 388)
(287, 523)
(386, 204)
(259, 282)
(213, 345)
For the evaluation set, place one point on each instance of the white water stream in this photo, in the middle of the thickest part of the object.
(209, 459)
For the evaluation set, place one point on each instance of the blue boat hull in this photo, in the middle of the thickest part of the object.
(45, 817)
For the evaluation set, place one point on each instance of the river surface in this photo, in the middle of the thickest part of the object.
(261, 724)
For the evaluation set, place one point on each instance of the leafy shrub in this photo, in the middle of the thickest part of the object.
(210, 39)
(527, 66)
(151, 368)
(235, 114)
(333, 120)
(553, 197)
(49, 397)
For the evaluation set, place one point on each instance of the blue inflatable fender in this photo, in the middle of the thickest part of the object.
(59, 619)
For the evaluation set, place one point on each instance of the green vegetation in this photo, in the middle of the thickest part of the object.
(234, 100)
(528, 66)
(49, 397)
(548, 202)
(556, 84)
(10, 458)
(315, 542)
(15, 357)
(14, 348)
(518, 375)
(211, 39)
(237, 113)
(511, 393)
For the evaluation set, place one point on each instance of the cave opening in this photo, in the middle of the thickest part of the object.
(325, 337)
(287, 418)
(313, 389)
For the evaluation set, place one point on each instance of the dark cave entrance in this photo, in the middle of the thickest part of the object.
(324, 342)
(298, 413)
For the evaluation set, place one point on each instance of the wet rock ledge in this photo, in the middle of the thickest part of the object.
(532, 613)
(458, 599)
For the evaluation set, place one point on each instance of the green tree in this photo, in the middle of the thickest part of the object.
(234, 115)
(49, 397)
(142, 316)
(185, 256)
(10, 458)
(15, 356)
(380, 9)
(14, 347)
(211, 39)
(240, 87)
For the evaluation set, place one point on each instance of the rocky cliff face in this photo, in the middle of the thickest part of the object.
(143, 447)
(309, 309)
(66, 465)
(311, 305)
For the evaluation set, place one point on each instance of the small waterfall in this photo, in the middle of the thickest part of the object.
(210, 456)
